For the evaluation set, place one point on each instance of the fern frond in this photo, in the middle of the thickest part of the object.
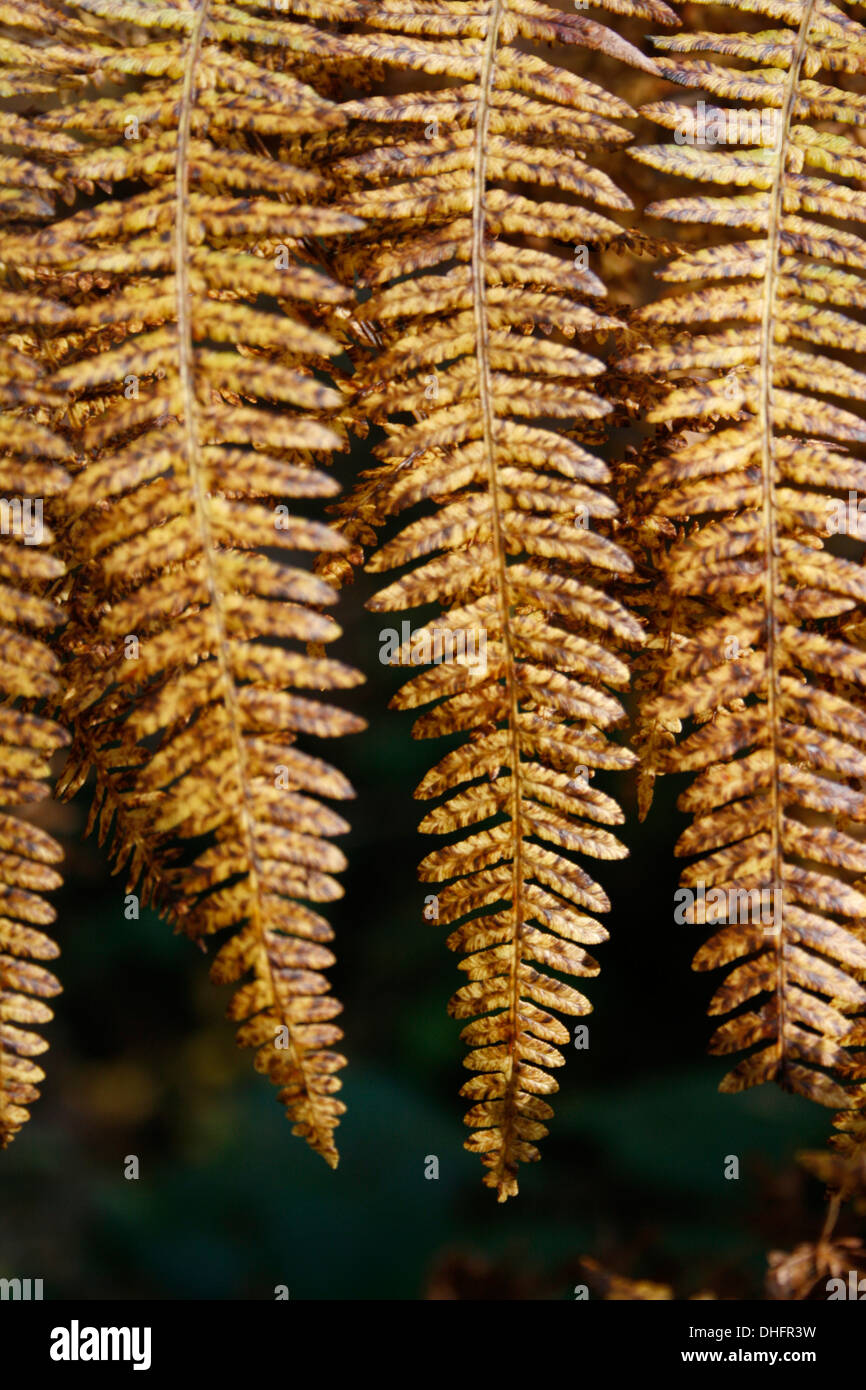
(759, 343)
(194, 364)
(30, 470)
(512, 534)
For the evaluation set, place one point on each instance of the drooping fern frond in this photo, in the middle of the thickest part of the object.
(478, 294)
(30, 470)
(760, 343)
(195, 369)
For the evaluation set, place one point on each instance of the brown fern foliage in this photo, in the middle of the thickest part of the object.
(474, 342)
(757, 344)
(829, 1265)
(193, 361)
(30, 470)
(32, 458)
(186, 193)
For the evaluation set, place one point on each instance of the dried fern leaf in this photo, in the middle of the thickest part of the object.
(30, 471)
(509, 519)
(759, 347)
(814, 1268)
(194, 362)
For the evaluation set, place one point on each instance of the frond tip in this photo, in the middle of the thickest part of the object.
(27, 856)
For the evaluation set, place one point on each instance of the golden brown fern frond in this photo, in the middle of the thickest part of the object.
(759, 343)
(30, 471)
(475, 322)
(194, 363)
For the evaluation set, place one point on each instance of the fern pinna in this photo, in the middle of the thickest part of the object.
(511, 534)
(757, 343)
(191, 357)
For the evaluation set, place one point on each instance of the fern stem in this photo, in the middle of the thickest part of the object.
(505, 1174)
